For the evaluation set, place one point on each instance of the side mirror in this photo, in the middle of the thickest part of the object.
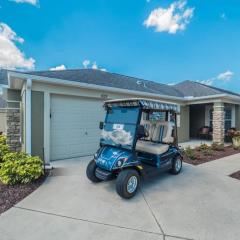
(101, 125)
(142, 132)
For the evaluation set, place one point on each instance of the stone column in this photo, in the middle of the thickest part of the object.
(218, 122)
(13, 129)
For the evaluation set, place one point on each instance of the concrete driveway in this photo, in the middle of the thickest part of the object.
(200, 203)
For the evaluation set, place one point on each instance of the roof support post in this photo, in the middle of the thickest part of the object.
(28, 116)
(218, 122)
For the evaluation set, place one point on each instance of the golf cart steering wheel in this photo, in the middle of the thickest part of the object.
(142, 132)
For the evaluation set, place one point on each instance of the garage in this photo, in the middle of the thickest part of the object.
(74, 126)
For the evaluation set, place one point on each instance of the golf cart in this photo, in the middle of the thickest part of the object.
(139, 139)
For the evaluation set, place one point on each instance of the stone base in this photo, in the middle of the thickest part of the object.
(13, 131)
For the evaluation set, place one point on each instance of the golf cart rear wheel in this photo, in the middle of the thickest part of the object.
(176, 165)
(127, 183)
(91, 169)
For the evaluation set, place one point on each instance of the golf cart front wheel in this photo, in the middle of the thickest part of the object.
(91, 169)
(127, 183)
(176, 165)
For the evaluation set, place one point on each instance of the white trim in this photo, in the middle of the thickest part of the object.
(46, 141)
(28, 113)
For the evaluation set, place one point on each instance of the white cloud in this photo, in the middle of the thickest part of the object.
(33, 2)
(57, 68)
(11, 56)
(171, 84)
(94, 66)
(86, 63)
(225, 76)
(208, 82)
(171, 19)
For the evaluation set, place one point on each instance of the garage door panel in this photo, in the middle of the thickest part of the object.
(74, 126)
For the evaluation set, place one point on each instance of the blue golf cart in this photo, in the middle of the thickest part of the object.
(139, 139)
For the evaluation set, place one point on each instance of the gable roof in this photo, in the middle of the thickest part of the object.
(98, 77)
(195, 89)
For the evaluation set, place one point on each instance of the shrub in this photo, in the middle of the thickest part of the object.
(207, 152)
(204, 147)
(218, 147)
(190, 153)
(20, 167)
(4, 148)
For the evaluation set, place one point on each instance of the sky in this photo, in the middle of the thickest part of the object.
(159, 40)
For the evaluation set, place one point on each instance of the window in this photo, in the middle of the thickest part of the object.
(228, 118)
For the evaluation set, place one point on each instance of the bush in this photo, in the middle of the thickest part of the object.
(4, 148)
(207, 152)
(20, 167)
(204, 147)
(218, 147)
(190, 153)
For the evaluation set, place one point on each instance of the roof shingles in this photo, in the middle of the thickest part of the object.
(91, 76)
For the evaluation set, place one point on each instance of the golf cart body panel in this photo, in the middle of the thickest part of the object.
(109, 156)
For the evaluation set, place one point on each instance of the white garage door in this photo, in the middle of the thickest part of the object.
(74, 126)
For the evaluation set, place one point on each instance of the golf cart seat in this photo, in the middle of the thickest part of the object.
(159, 139)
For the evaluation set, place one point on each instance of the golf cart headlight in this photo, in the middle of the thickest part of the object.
(121, 161)
(95, 155)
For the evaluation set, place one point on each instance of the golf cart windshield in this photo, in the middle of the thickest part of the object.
(120, 126)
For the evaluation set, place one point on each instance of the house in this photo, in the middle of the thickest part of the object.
(56, 114)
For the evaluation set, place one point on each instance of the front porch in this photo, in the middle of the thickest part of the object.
(211, 122)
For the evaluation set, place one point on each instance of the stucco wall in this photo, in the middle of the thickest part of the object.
(37, 123)
(183, 130)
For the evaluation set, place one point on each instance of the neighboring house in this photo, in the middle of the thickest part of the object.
(56, 114)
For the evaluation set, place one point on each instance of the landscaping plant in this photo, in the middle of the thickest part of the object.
(190, 153)
(217, 147)
(18, 167)
(4, 148)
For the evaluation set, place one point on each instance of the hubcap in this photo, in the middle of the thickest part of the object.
(178, 165)
(132, 184)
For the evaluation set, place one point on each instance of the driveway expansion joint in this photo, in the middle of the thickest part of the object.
(89, 221)
(152, 213)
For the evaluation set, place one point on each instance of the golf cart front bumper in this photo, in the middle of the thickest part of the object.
(103, 174)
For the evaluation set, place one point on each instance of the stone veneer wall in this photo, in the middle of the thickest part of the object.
(218, 123)
(13, 130)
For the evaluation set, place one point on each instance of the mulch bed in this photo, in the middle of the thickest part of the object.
(236, 175)
(11, 195)
(201, 158)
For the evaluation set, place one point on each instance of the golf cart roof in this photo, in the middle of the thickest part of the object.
(148, 104)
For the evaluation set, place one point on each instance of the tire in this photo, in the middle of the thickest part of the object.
(91, 168)
(176, 169)
(123, 189)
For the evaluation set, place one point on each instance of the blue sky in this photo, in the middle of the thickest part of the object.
(201, 45)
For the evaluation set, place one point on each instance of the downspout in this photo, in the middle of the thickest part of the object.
(28, 115)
